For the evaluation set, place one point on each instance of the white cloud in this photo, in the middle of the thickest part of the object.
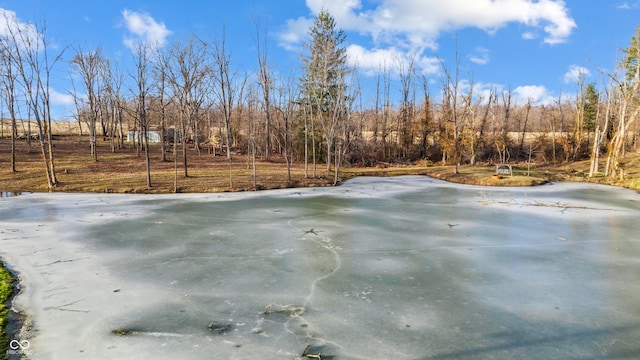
(481, 90)
(26, 34)
(143, 29)
(623, 6)
(374, 61)
(419, 22)
(340, 9)
(537, 94)
(480, 56)
(408, 29)
(294, 33)
(575, 73)
(58, 98)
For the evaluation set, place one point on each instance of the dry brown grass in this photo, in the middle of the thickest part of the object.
(124, 171)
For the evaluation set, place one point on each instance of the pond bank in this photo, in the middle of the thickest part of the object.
(8, 319)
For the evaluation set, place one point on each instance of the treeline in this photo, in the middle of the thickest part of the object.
(191, 93)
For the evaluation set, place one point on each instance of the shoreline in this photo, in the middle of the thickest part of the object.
(14, 319)
(482, 175)
(18, 324)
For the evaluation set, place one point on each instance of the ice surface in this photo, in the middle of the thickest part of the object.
(379, 268)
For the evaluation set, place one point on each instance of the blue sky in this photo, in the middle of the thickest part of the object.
(533, 48)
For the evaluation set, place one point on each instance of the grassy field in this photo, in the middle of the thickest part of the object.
(124, 171)
(6, 290)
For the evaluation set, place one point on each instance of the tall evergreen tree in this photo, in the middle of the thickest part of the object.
(590, 108)
(324, 80)
(631, 56)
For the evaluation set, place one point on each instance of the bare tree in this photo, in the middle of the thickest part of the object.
(141, 92)
(160, 77)
(553, 129)
(478, 112)
(579, 110)
(524, 129)
(426, 117)
(468, 134)
(377, 109)
(407, 108)
(226, 91)
(286, 106)
(8, 83)
(628, 111)
(90, 67)
(600, 133)
(114, 105)
(386, 115)
(344, 109)
(627, 93)
(29, 54)
(502, 140)
(251, 103)
(187, 74)
(266, 84)
(450, 132)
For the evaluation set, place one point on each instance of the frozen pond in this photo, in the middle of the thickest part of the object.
(379, 268)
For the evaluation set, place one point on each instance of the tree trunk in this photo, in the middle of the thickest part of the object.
(13, 143)
(184, 156)
(52, 166)
(595, 153)
(175, 163)
(147, 156)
